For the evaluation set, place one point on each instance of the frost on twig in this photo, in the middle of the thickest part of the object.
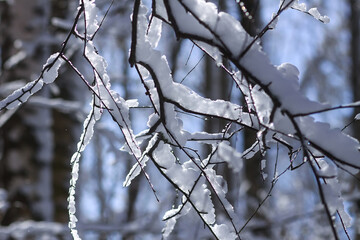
(48, 75)
(294, 4)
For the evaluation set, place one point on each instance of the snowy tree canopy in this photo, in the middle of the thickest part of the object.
(274, 108)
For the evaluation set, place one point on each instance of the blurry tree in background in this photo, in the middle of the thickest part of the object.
(38, 139)
(210, 139)
(354, 26)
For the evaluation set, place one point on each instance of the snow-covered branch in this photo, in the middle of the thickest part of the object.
(274, 108)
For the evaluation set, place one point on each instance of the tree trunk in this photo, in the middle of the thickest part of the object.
(355, 58)
(354, 26)
(28, 140)
(36, 141)
(250, 20)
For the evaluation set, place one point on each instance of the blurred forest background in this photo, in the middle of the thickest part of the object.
(37, 140)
